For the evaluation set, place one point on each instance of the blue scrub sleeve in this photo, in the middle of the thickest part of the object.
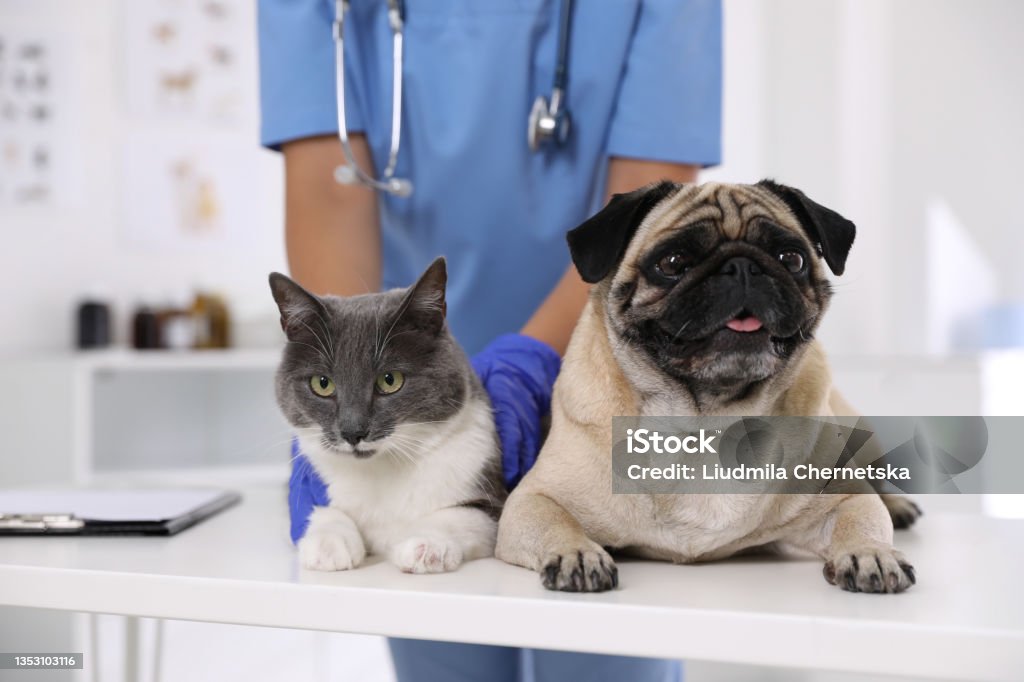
(669, 106)
(297, 65)
(519, 374)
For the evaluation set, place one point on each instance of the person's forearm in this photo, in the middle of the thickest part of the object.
(553, 322)
(332, 231)
(626, 175)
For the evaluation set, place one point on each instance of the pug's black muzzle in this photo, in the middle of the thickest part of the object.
(736, 286)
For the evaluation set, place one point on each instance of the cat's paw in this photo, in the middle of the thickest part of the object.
(337, 549)
(426, 555)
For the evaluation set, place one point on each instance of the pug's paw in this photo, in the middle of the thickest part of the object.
(331, 549)
(588, 569)
(424, 555)
(875, 569)
(903, 510)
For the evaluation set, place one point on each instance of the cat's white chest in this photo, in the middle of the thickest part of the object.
(384, 503)
(387, 493)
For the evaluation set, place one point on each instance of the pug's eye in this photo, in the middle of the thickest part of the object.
(322, 386)
(792, 261)
(672, 265)
(389, 382)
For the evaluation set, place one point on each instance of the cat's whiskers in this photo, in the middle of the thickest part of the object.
(330, 336)
(405, 439)
(403, 449)
(436, 421)
(376, 332)
(326, 353)
(408, 446)
(457, 404)
(387, 337)
(404, 442)
(301, 343)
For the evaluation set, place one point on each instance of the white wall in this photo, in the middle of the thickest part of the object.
(958, 103)
(50, 256)
(877, 108)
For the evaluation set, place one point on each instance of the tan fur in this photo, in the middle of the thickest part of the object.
(563, 514)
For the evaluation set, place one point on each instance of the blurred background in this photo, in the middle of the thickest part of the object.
(137, 210)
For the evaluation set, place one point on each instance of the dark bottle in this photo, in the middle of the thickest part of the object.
(145, 329)
(93, 324)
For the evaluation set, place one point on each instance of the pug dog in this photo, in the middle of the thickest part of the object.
(705, 302)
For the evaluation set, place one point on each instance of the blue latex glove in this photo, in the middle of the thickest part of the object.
(518, 373)
(305, 490)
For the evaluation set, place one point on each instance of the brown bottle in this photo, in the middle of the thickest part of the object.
(212, 321)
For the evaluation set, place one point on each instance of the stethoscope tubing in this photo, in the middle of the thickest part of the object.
(561, 80)
(352, 172)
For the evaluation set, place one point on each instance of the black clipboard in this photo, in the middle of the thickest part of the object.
(114, 511)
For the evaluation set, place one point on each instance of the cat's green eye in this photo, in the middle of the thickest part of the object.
(389, 382)
(322, 386)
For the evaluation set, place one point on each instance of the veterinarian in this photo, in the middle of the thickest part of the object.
(482, 131)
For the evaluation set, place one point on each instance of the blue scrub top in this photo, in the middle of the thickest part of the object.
(644, 82)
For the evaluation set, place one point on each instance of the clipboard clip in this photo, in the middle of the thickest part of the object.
(40, 522)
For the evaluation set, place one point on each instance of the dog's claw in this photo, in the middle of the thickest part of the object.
(873, 570)
(585, 570)
(551, 571)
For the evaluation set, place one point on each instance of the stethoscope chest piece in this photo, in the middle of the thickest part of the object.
(548, 123)
(348, 175)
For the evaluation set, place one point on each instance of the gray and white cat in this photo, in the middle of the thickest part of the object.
(392, 416)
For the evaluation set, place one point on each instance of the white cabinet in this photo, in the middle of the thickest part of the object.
(83, 416)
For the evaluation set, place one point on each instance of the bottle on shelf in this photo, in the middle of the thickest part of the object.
(212, 321)
(146, 329)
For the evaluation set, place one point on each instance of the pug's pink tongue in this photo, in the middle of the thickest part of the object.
(746, 324)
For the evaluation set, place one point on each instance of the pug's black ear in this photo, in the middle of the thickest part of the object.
(424, 305)
(598, 244)
(832, 232)
(299, 309)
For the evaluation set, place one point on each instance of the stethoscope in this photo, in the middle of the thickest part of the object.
(546, 123)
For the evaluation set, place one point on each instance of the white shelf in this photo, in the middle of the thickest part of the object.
(169, 360)
(963, 620)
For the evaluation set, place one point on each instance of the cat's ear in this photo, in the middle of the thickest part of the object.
(299, 308)
(424, 305)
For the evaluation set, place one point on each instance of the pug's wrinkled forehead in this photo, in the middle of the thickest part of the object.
(631, 224)
(710, 214)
